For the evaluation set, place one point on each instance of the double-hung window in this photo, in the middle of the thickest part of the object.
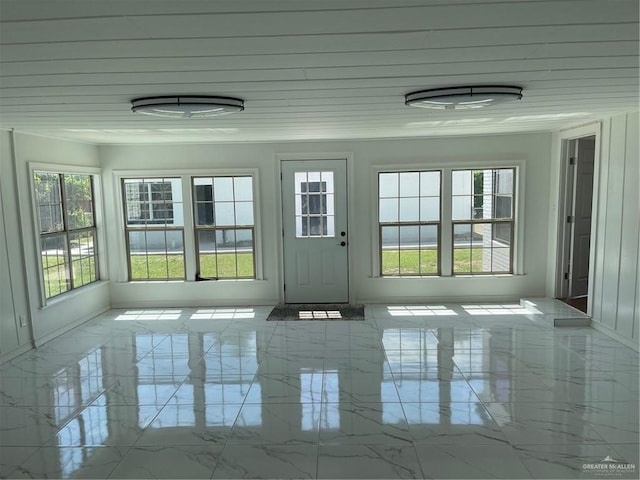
(483, 220)
(478, 213)
(154, 228)
(409, 223)
(67, 227)
(224, 226)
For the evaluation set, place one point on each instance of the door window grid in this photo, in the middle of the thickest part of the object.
(483, 220)
(409, 223)
(224, 227)
(314, 204)
(65, 207)
(154, 228)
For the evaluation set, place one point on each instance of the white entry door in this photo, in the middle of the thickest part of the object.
(581, 217)
(314, 209)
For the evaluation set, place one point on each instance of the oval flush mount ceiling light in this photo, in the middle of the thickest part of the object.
(187, 106)
(463, 98)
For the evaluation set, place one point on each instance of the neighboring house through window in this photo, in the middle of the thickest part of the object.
(409, 223)
(314, 207)
(483, 220)
(480, 211)
(224, 226)
(154, 226)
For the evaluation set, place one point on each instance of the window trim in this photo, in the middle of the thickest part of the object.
(98, 217)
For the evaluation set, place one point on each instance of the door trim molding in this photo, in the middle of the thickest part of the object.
(303, 156)
(563, 139)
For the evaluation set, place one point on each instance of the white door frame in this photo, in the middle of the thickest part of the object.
(564, 199)
(565, 207)
(349, 157)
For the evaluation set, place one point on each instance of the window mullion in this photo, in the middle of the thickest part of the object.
(63, 202)
(65, 228)
(446, 243)
(215, 250)
(235, 226)
(189, 232)
(399, 225)
(166, 253)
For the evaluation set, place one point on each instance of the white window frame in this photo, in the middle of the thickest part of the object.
(215, 227)
(418, 223)
(101, 264)
(189, 224)
(488, 221)
(446, 230)
(153, 226)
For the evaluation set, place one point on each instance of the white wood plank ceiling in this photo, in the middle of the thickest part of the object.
(311, 69)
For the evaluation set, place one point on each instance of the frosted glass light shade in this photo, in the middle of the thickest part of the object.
(463, 98)
(187, 106)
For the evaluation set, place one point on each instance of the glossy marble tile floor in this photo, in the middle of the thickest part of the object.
(423, 391)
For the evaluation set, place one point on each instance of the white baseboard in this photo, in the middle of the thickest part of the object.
(206, 303)
(40, 341)
(5, 357)
(616, 336)
(425, 300)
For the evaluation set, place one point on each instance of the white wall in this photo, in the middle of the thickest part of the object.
(616, 301)
(14, 334)
(57, 314)
(532, 151)
(180, 159)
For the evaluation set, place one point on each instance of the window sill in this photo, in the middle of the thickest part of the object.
(486, 275)
(173, 282)
(209, 280)
(441, 277)
(412, 277)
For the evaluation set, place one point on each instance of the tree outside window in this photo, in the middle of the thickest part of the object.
(66, 220)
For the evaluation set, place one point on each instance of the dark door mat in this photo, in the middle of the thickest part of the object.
(580, 303)
(321, 311)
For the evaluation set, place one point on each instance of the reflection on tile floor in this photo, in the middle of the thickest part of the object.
(414, 391)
